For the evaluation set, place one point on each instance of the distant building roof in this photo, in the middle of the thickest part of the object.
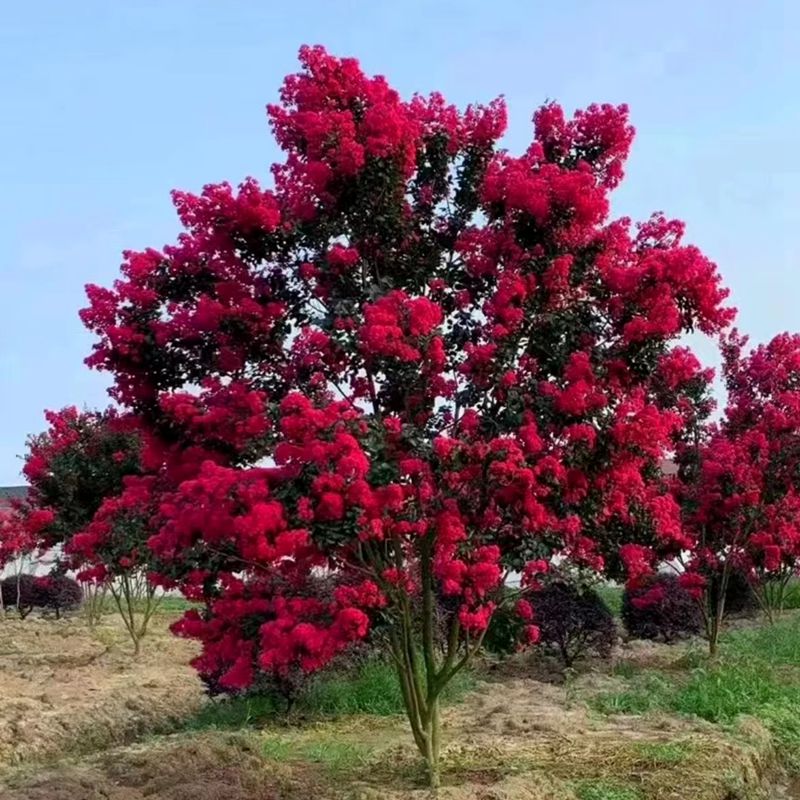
(10, 493)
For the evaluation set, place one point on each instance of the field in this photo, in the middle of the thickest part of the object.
(81, 720)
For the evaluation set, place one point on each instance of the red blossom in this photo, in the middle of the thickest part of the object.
(414, 363)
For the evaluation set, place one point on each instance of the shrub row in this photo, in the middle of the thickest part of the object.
(56, 593)
(575, 622)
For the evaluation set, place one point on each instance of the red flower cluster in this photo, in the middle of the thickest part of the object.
(271, 624)
(747, 491)
(417, 362)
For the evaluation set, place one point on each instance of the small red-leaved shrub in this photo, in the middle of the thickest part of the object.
(659, 607)
(52, 593)
(57, 593)
(574, 622)
(19, 592)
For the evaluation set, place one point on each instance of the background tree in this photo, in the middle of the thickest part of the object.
(740, 484)
(78, 505)
(419, 362)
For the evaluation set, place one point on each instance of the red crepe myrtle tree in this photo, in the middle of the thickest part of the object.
(79, 501)
(418, 362)
(15, 542)
(740, 481)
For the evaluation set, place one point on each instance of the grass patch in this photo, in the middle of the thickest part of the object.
(231, 713)
(175, 605)
(776, 645)
(791, 596)
(783, 722)
(372, 689)
(722, 693)
(335, 757)
(611, 595)
(663, 754)
(647, 691)
(758, 675)
(606, 790)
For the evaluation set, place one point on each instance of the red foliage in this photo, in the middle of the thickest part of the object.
(15, 536)
(419, 361)
(77, 469)
(501, 354)
(742, 487)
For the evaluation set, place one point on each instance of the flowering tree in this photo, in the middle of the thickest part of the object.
(15, 542)
(741, 481)
(78, 501)
(418, 362)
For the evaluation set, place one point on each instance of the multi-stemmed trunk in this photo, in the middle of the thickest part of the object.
(426, 666)
(136, 601)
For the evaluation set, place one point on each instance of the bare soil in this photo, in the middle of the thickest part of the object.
(66, 688)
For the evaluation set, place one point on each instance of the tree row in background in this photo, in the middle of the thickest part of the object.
(417, 365)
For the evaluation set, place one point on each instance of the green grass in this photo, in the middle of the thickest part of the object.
(646, 691)
(791, 595)
(663, 754)
(232, 713)
(783, 722)
(611, 596)
(174, 605)
(169, 604)
(337, 758)
(722, 693)
(373, 689)
(606, 790)
(758, 675)
(776, 645)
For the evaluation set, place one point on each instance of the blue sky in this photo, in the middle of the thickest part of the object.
(106, 106)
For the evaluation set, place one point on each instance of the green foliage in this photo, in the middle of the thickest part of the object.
(791, 597)
(646, 692)
(231, 713)
(76, 464)
(783, 722)
(337, 758)
(774, 644)
(172, 604)
(373, 689)
(503, 635)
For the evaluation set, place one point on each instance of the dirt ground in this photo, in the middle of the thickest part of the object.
(66, 689)
(521, 735)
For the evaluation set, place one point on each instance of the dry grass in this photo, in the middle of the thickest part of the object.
(505, 743)
(66, 688)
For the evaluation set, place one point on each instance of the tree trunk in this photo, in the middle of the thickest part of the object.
(717, 614)
(713, 642)
(432, 732)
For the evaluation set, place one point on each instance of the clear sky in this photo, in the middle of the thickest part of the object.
(106, 106)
